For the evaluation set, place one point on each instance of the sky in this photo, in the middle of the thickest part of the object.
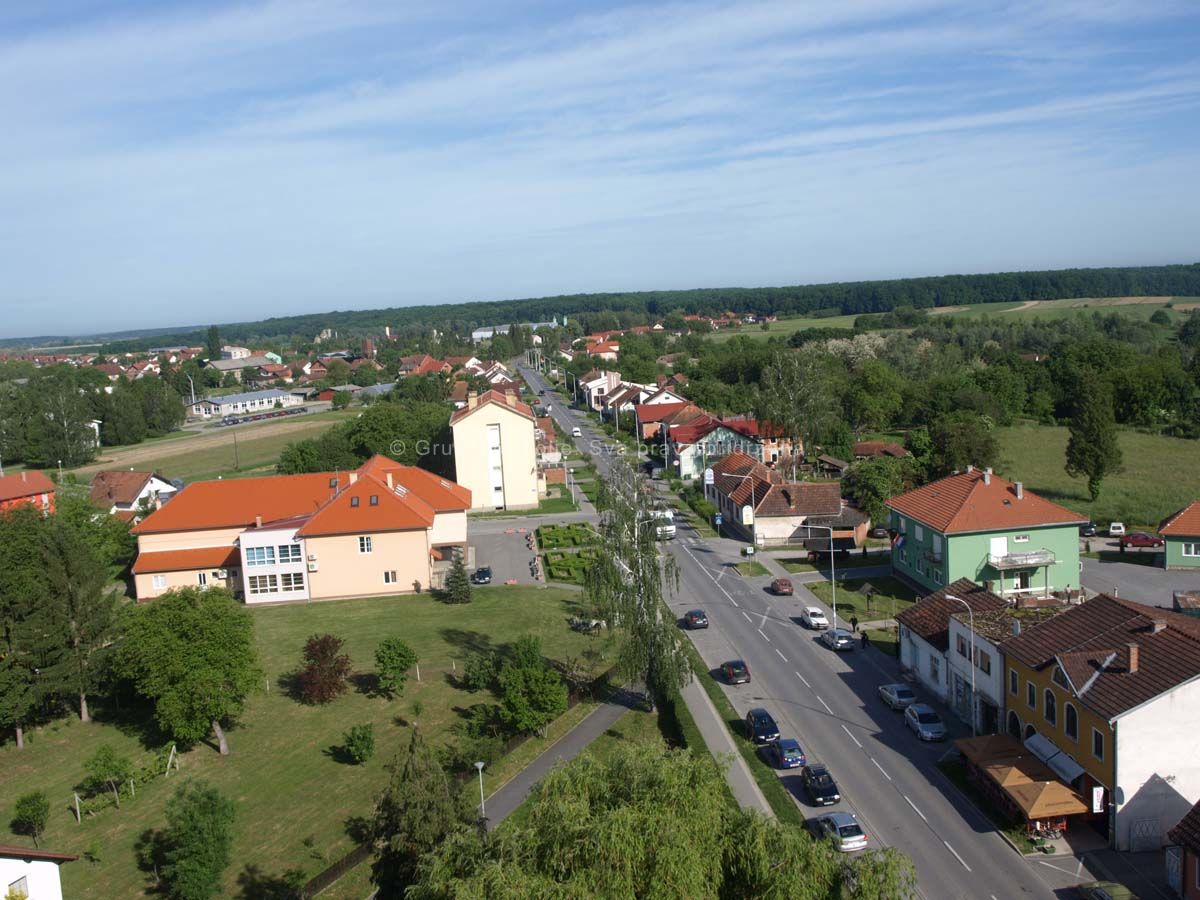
(172, 163)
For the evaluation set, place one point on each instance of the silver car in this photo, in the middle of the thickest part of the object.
(843, 829)
(897, 696)
(925, 723)
(838, 639)
(812, 617)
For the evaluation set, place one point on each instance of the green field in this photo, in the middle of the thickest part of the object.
(1160, 474)
(294, 797)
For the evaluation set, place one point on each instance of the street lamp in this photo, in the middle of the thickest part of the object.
(832, 566)
(971, 622)
(482, 809)
(753, 507)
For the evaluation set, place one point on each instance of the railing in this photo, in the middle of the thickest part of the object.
(1021, 560)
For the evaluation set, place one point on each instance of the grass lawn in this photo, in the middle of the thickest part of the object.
(851, 601)
(849, 561)
(885, 639)
(293, 796)
(751, 567)
(546, 506)
(1160, 474)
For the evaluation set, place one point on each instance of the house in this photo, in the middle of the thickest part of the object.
(461, 362)
(353, 390)
(28, 487)
(315, 370)
(690, 448)
(547, 442)
(237, 366)
(243, 404)
(606, 350)
(377, 390)
(112, 371)
(495, 451)
(623, 400)
(458, 394)
(979, 526)
(126, 494)
(1109, 693)
(26, 872)
(1181, 538)
(649, 417)
(878, 449)
(230, 352)
(423, 364)
(760, 505)
(595, 385)
(1186, 835)
(383, 528)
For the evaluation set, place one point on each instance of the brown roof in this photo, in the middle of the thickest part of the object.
(1184, 523)
(979, 501)
(30, 854)
(186, 560)
(878, 448)
(771, 495)
(1187, 832)
(118, 487)
(1091, 643)
(656, 412)
(929, 618)
(493, 398)
(458, 392)
(25, 484)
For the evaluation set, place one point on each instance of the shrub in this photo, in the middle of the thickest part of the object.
(359, 743)
(32, 811)
(325, 671)
(393, 659)
(479, 671)
(108, 770)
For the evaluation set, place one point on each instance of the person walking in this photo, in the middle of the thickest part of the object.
(854, 623)
(865, 640)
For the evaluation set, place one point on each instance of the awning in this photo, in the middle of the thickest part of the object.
(1040, 746)
(1063, 764)
(1027, 782)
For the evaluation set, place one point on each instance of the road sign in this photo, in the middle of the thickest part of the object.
(708, 477)
(717, 518)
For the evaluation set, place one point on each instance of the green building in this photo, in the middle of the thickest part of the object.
(976, 525)
(1181, 538)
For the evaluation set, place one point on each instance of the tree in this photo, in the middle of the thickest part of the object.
(192, 652)
(17, 696)
(32, 811)
(108, 769)
(958, 440)
(107, 536)
(338, 372)
(325, 671)
(1092, 449)
(873, 398)
(531, 693)
(413, 815)
(213, 343)
(359, 743)
(458, 583)
(796, 394)
(196, 847)
(393, 659)
(341, 399)
(870, 482)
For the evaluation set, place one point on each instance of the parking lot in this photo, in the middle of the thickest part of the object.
(500, 543)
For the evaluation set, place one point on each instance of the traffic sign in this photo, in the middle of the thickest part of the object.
(708, 476)
(717, 518)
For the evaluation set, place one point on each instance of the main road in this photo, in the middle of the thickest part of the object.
(828, 702)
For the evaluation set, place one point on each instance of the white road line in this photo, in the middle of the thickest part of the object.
(781, 656)
(802, 678)
(824, 704)
(956, 856)
(763, 623)
(735, 603)
(764, 637)
(748, 619)
(923, 819)
(881, 770)
(850, 735)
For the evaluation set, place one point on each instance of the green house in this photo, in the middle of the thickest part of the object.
(1181, 538)
(976, 525)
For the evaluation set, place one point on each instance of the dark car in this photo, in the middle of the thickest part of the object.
(735, 672)
(880, 533)
(1087, 530)
(761, 727)
(1141, 539)
(786, 753)
(782, 587)
(818, 782)
(695, 618)
(482, 575)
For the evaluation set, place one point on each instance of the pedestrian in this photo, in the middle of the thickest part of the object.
(865, 640)
(854, 623)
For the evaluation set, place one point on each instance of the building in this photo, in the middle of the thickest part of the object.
(878, 449)
(979, 526)
(495, 451)
(649, 417)
(236, 366)
(1186, 837)
(691, 448)
(127, 494)
(243, 404)
(1181, 538)
(230, 352)
(1108, 694)
(383, 528)
(596, 385)
(25, 872)
(759, 504)
(30, 488)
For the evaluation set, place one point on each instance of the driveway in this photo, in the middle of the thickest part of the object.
(500, 543)
(1150, 585)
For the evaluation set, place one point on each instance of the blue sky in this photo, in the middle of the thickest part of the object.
(191, 162)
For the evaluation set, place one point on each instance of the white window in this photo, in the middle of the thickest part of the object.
(918, 532)
(160, 582)
(263, 584)
(937, 545)
(292, 581)
(1097, 744)
(389, 577)
(364, 544)
(1020, 539)
(935, 669)
(903, 524)
(260, 556)
(19, 888)
(983, 660)
(289, 553)
(1192, 550)
(202, 578)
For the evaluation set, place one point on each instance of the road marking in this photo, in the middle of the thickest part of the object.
(748, 619)
(955, 852)
(781, 656)
(824, 704)
(923, 819)
(763, 623)
(880, 768)
(735, 603)
(802, 678)
(851, 736)
(764, 637)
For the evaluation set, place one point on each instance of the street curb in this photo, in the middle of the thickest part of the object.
(971, 803)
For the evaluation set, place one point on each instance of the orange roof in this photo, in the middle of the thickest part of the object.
(496, 398)
(186, 560)
(235, 504)
(1185, 523)
(368, 506)
(25, 484)
(974, 501)
(440, 493)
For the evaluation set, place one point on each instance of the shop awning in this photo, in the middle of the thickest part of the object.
(1063, 764)
(1027, 781)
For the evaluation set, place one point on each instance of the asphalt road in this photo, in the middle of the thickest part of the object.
(828, 702)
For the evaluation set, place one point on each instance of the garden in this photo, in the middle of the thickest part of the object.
(868, 598)
(560, 537)
(570, 567)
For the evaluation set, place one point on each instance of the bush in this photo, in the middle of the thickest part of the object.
(108, 771)
(479, 671)
(326, 669)
(32, 811)
(393, 659)
(359, 743)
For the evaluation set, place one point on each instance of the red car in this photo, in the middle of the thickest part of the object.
(782, 587)
(1141, 539)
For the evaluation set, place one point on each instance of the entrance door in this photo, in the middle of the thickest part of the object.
(1014, 725)
(989, 717)
(1024, 579)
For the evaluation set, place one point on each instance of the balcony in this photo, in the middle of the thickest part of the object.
(1032, 559)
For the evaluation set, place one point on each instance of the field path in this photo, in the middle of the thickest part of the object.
(1028, 304)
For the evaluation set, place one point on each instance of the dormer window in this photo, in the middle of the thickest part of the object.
(333, 482)
(1059, 677)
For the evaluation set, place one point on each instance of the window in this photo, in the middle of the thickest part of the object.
(1070, 721)
(374, 499)
(260, 556)
(364, 544)
(389, 577)
(354, 501)
(292, 581)
(19, 888)
(160, 582)
(202, 578)
(1012, 681)
(1059, 677)
(935, 669)
(1051, 704)
(983, 659)
(961, 645)
(263, 584)
(918, 532)
(289, 553)
(1192, 550)
(1031, 695)
(903, 525)
(1097, 744)
(1020, 539)
(904, 556)
(937, 545)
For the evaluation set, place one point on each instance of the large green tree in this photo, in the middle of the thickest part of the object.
(212, 343)
(193, 852)
(960, 439)
(192, 652)
(870, 482)
(798, 394)
(532, 694)
(1092, 449)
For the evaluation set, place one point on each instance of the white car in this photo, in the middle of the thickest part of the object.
(576, 432)
(812, 617)
(1116, 529)
(842, 828)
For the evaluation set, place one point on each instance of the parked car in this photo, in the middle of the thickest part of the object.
(818, 782)
(782, 587)
(1116, 529)
(812, 617)
(842, 828)
(786, 753)
(735, 672)
(838, 639)
(695, 618)
(482, 575)
(1105, 890)
(576, 432)
(1141, 539)
(761, 727)
(897, 696)
(880, 533)
(924, 722)
(1088, 529)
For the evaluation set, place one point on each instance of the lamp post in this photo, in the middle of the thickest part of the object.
(482, 808)
(832, 566)
(971, 623)
(753, 507)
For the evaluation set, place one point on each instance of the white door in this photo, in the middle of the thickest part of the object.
(496, 466)
(999, 546)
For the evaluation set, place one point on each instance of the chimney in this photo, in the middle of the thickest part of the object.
(987, 476)
(353, 477)
(472, 399)
(970, 469)
(1158, 625)
(1133, 658)
(510, 398)
(258, 521)
(1020, 489)
(388, 476)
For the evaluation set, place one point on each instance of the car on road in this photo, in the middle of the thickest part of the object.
(842, 828)
(695, 618)
(1116, 529)
(924, 722)
(576, 431)
(838, 639)
(819, 784)
(1087, 529)
(482, 575)
(812, 617)
(782, 587)
(897, 696)
(1141, 539)
(735, 672)
(1105, 890)
(761, 727)
(786, 753)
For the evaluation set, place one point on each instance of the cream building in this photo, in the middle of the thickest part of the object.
(495, 451)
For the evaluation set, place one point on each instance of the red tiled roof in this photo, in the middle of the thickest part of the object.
(25, 484)
(496, 398)
(186, 560)
(964, 503)
(656, 412)
(694, 430)
(1184, 523)
(1187, 832)
(118, 487)
(30, 853)
(352, 510)
(440, 493)
(930, 617)
(771, 495)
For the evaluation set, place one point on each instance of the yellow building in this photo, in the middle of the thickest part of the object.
(495, 451)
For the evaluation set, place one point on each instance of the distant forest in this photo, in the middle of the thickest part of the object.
(845, 298)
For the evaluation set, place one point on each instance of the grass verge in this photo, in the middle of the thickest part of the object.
(851, 561)
(751, 567)
(886, 640)
(890, 595)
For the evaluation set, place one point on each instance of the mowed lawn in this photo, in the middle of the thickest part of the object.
(1160, 474)
(293, 796)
